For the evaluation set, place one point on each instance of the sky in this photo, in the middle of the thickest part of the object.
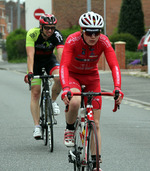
(21, 1)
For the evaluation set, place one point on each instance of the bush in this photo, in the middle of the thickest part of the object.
(15, 45)
(131, 56)
(69, 31)
(131, 41)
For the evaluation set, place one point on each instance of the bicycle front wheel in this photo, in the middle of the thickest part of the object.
(50, 134)
(92, 147)
(43, 120)
(79, 143)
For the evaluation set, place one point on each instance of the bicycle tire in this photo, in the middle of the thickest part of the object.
(43, 120)
(50, 133)
(92, 135)
(79, 143)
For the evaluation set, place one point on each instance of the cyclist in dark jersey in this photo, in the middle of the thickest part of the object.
(78, 67)
(40, 44)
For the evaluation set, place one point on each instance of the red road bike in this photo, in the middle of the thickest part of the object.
(85, 133)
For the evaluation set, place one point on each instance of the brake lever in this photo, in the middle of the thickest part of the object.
(69, 97)
(116, 106)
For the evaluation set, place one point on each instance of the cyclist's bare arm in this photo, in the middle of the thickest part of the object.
(59, 53)
(30, 58)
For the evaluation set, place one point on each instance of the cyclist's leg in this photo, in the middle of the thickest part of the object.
(71, 116)
(56, 89)
(72, 113)
(75, 101)
(35, 93)
(96, 120)
(35, 96)
(52, 67)
(35, 110)
(74, 105)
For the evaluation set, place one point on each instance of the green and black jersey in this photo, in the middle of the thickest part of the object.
(43, 48)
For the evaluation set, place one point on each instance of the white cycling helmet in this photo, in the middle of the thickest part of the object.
(91, 20)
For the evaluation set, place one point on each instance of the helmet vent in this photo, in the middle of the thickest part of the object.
(91, 20)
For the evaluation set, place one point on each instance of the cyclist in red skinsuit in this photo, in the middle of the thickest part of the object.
(78, 67)
(79, 58)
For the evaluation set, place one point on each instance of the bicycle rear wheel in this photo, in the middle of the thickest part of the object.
(50, 134)
(92, 147)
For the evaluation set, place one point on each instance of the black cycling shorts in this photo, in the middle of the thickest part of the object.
(48, 63)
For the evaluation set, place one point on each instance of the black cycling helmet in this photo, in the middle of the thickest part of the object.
(47, 19)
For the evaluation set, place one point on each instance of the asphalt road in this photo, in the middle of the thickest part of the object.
(125, 134)
(136, 88)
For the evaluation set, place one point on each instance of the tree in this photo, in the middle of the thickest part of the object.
(131, 19)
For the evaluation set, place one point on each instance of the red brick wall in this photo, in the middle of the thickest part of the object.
(68, 12)
(120, 54)
(146, 11)
(112, 15)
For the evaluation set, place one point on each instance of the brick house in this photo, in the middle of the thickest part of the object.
(5, 17)
(3, 20)
(68, 13)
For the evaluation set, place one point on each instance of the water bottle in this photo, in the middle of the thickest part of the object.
(82, 133)
(82, 119)
(82, 115)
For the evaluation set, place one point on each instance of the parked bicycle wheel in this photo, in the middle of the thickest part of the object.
(92, 148)
(50, 124)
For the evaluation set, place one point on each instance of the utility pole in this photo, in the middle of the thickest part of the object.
(11, 15)
(18, 18)
(105, 17)
(88, 5)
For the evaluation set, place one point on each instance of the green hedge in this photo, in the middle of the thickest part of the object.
(15, 45)
(69, 31)
(131, 41)
(131, 56)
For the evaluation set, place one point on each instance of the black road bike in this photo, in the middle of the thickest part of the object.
(47, 118)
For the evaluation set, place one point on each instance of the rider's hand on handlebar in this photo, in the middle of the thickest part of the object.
(121, 95)
(64, 96)
(28, 77)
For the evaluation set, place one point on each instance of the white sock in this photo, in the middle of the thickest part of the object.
(37, 126)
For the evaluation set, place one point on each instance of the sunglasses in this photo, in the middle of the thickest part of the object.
(49, 28)
(90, 34)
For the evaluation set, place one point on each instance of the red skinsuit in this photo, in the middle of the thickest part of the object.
(80, 58)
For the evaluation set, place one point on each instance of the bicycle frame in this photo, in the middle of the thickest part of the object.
(45, 86)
